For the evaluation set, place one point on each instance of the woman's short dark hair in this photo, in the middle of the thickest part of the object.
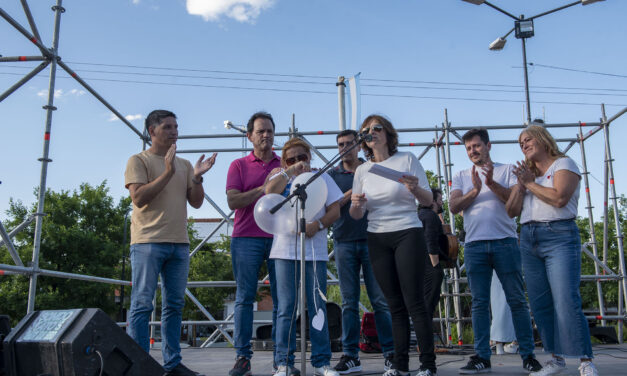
(258, 115)
(390, 132)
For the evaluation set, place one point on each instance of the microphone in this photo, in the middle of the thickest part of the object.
(365, 137)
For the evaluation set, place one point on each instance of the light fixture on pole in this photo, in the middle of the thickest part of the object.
(524, 29)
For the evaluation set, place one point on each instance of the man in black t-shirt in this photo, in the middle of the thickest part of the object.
(437, 244)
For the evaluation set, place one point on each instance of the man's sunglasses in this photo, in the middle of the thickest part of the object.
(298, 158)
(377, 128)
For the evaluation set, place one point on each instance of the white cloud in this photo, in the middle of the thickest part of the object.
(58, 93)
(113, 117)
(135, 2)
(43, 93)
(239, 10)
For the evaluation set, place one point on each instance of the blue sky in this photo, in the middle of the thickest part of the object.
(297, 49)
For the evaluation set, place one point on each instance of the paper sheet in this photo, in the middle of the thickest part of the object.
(386, 172)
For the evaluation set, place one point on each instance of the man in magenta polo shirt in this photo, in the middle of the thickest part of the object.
(250, 246)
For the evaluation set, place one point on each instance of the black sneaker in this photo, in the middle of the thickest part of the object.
(181, 370)
(476, 364)
(241, 367)
(531, 364)
(348, 364)
(426, 372)
(387, 365)
(395, 372)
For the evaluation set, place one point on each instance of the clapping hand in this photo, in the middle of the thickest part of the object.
(524, 173)
(170, 157)
(488, 172)
(476, 180)
(203, 165)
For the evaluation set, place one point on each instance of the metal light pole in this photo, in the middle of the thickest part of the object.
(524, 29)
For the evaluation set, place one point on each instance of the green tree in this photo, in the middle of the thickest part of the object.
(211, 263)
(610, 289)
(81, 233)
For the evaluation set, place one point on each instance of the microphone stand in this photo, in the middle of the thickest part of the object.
(301, 196)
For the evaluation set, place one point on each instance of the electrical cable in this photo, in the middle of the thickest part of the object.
(577, 70)
(101, 362)
(334, 93)
(368, 85)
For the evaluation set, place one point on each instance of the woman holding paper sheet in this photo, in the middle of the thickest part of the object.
(396, 243)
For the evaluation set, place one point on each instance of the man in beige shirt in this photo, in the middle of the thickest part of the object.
(161, 185)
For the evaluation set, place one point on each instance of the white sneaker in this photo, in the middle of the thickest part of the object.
(281, 371)
(500, 350)
(552, 367)
(588, 369)
(325, 371)
(511, 348)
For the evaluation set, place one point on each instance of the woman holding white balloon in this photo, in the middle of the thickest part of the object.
(396, 244)
(322, 209)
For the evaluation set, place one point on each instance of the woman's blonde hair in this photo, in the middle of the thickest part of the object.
(544, 138)
(293, 143)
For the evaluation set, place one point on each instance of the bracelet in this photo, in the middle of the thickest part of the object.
(282, 172)
(198, 182)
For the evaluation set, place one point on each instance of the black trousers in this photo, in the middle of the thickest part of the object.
(398, 262)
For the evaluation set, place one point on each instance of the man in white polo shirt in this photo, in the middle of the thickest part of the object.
(490, 244)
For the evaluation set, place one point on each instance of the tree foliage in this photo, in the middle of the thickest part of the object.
(81, 233)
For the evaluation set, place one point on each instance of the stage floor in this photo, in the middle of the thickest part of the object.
(609, 359)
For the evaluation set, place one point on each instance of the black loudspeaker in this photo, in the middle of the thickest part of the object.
(334, 322)
(5, 328)
(74, 342)
(605, 334)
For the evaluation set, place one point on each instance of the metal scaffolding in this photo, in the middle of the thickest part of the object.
(446, 137)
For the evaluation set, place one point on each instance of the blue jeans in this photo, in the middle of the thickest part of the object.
(288, 277)
(247, 256)
(350, 258)
(551, 254)
(502, 256)
(148, 261)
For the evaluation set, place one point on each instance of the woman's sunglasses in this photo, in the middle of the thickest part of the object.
(377, 128)
(298, 158)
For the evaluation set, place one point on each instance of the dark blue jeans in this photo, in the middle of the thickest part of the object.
(350, 258)
(148, 261)
(247, 256)
(551, 254)
(502, 256)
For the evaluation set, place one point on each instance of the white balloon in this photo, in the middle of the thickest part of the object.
(316, 194)
(281, 222)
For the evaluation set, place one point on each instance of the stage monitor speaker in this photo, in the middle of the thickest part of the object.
(5, 328)
(74, 342)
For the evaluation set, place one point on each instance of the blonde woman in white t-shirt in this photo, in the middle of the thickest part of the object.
(546, 199)
(396, 244)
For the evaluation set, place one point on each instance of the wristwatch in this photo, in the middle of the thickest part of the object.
(320, 225)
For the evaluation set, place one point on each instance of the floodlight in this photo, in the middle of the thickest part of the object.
(228, 124)
(498, 44)
(586, 2)
(476, 2)
(524, 28)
